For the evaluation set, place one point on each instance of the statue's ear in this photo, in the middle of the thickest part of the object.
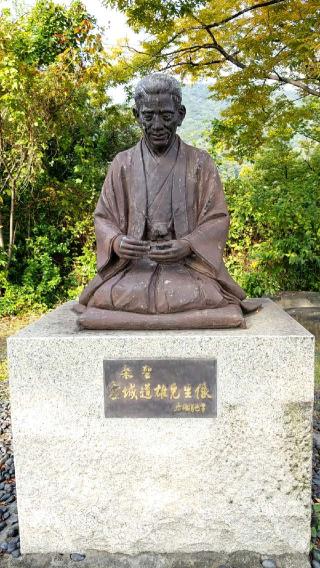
(135, 113)
(182, 113)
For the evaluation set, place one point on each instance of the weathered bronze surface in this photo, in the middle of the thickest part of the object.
(156, 388)
(161, 227)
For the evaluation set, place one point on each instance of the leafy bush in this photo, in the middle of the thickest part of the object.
(52, 270)
(40, 283)
(59, 131)
(274, 241)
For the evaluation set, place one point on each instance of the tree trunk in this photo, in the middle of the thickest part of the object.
(11, 224)
(1, 232)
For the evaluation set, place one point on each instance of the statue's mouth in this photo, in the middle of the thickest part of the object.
(159, 137)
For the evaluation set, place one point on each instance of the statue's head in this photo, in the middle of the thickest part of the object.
(158, 109)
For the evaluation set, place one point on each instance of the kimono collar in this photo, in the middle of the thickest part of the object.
(138, 192)
(158, 157)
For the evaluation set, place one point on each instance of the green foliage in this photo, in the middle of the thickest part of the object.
(154, 14)
(258, 56)
(274, 241)
(261, 60)
(58, 132)
(42, 279)
(3, 370)
(51, 29)
(241, 129)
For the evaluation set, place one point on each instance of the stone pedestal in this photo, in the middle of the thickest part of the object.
(237, 481)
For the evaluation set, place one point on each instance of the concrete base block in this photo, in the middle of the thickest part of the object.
(239, 481)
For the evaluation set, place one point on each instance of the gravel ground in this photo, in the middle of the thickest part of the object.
(9, 528)
(316, 485)
(4, 392)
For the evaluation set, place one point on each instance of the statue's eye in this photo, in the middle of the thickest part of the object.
(167, 116)
(147, 115)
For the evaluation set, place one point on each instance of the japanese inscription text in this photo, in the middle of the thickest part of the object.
(160, 388)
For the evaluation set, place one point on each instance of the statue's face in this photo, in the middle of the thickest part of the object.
(159, 116)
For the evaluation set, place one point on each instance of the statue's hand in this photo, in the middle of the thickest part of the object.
(129, 248)
(170, 251)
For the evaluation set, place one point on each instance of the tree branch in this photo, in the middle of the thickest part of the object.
(224, 21)
(272, 76)
(228, 56)
(244, 11)
(191, 64)
(191, 49)
(235, 61)
(296, 83)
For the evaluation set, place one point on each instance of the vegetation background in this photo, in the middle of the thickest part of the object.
(251, 75)
(59, 130)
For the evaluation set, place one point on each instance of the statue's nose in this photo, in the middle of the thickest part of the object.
(157, 123)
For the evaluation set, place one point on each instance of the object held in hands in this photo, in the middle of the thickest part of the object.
(129, 248)
(171, 251)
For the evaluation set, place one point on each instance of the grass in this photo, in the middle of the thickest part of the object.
(3, 370)
(9, 326)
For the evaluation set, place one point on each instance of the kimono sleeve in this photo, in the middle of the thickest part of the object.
(106, 216)
(208, 239)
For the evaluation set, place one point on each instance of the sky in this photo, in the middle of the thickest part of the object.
(114, 24)
(113, 21)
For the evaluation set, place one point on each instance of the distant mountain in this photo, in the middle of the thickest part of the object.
(201, 110)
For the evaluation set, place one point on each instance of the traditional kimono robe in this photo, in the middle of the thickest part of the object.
(158, 198)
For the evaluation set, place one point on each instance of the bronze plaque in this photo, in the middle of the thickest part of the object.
(155, 388)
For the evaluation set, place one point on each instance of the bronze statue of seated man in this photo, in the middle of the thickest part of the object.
(161, 226)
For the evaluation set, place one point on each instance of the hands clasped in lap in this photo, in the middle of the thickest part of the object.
(158, 251)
